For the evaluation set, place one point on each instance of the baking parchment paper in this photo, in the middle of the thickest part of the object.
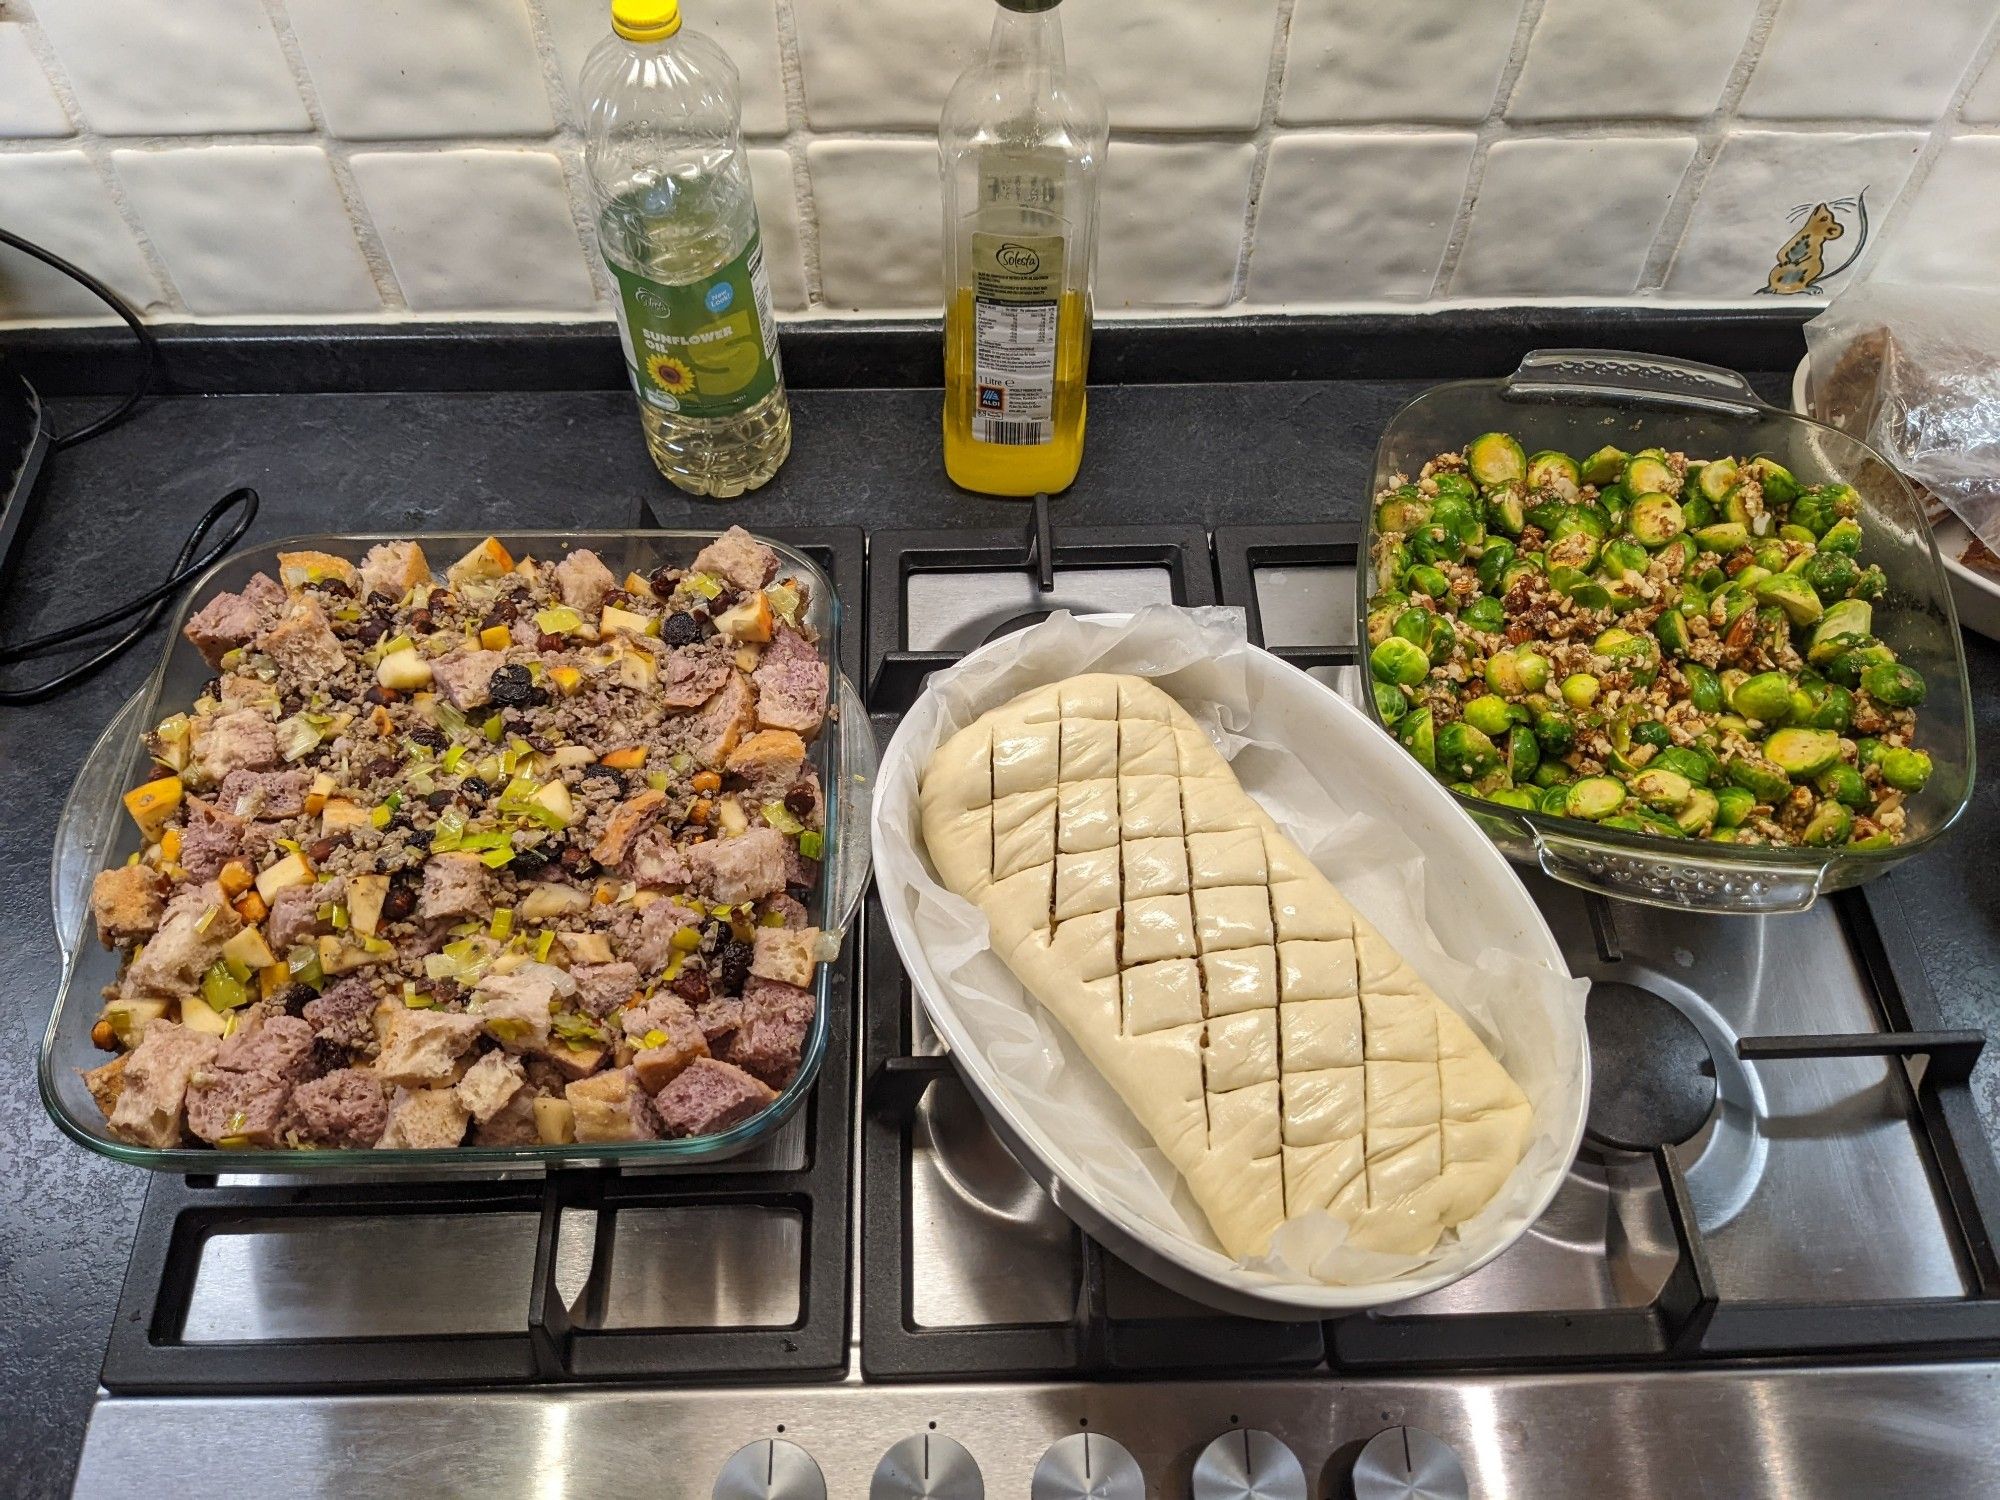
(1530, 1016)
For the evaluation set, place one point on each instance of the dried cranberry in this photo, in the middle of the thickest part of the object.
(692, 986)
(680, 630)
(437, 599)
(381, 695)
(662, 581)
(548, 642)
(293, 702)
(381, 767)
(576, 861)
(339, 586)
(381, 600)
(429, 735)
(475, 786)
(368, 632)
(724, 600)
(420, 619)
(510, 685)
(319, 851)
(799, 800)
(732, 966)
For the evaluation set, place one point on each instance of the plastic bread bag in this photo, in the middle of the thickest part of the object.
(1530, 1016)
(1914, 372)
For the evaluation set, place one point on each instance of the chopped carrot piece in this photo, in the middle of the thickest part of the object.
(707, 781)
(496, 638)
(628, 759)
(235, 878)
(251, 907)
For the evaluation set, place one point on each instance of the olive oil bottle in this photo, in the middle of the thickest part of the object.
(677, 227)
(1021, 143)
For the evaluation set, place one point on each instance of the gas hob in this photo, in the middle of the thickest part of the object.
(1769, 1271)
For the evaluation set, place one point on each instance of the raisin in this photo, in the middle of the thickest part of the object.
(293, 702)
(420, 838)
(382, 766)
(440, 799)
(297, 998)
(381, 695)
(799, 893)
(338, 586)
(724, 600)
(369, 631)
(529, 861)
(475, 786)
(420, 619)
(510, 685)
(429, 735)
(799, 800)
(732, 966)
(547, 642)
(400, 904)
(680, 630)
(538, 697)
(692, 986)
(604, 773)
(325, 1055)
(662, 581)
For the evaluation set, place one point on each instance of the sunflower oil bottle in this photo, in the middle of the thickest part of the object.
(677, 226)
(1021, 142)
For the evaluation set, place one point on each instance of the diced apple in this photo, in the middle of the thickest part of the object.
(638, 587)
(249, 949)
(337, 957)
(637, 669)
(568, 681)
(290, 871)
(615, 619)
(586, 947)
(749, 621)
(732, 818)
(152, 804)
(572, 757)
(318, 792)
(555, 797)
(198, 1015)
(403, 670)
(365, 895)
(339, 814)
(551, 900)
(555, 1124)
(488, 560)
(129, 1018)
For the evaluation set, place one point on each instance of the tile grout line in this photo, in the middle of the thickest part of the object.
(1263, 138)
(93, 149)
(360, 221)
(1710, 134)
(797, 136)
(566, 144)
(1948, 127)
(1487, 134)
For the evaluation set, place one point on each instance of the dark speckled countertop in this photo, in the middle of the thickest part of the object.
(112, 511)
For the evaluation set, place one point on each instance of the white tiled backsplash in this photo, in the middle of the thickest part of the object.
(271, 160)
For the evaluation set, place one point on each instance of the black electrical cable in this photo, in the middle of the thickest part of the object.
(186, 565)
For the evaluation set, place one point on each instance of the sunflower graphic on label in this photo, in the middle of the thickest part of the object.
(671, 375)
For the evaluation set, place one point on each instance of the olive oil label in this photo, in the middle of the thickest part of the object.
(706, 348)
(1017, 284)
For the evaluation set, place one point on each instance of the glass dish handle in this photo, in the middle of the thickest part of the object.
(1596, 372)
(1710, 885)
(855, 761)
(90, 824)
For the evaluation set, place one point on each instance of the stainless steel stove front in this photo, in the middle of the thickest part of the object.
(1741, 1434)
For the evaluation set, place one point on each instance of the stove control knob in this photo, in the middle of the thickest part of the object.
(1087, 1466)
(1408, 1463)
(928, 1464)
(770, 1469)
(1248, 1465)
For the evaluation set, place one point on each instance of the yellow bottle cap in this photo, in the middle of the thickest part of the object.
(645, 20)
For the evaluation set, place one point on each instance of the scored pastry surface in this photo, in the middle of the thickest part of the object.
(1279, 1050)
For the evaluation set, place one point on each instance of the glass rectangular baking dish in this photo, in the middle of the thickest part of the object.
(94, 833)
(1578, 400)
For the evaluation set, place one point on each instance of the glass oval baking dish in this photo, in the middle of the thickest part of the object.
(94, 833)
(1577, 400)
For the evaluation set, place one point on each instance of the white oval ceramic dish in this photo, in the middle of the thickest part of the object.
(1974, 594)
(1473, 901)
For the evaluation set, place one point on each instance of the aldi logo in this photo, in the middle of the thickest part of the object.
(992, 398)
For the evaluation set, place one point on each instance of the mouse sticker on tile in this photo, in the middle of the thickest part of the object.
(1803, 262)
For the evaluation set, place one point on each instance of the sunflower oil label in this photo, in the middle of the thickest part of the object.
(1016, 302)
(706, 348)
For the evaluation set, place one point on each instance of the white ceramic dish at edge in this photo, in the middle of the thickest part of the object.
(1466, 877)
(1973, 594)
